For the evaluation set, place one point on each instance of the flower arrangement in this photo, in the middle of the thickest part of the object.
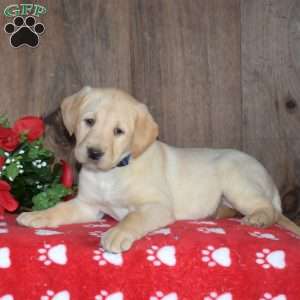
(29, 177)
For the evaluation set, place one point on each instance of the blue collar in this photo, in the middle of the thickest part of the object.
(125, 161)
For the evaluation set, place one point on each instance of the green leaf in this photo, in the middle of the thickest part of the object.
(40, 201)
(33, 153)
(4, 121)
(12, 171)
(58, 190)
(36, 151)
(50, 197)
(2, 152)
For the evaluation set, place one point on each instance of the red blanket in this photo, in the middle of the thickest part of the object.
(191, 260)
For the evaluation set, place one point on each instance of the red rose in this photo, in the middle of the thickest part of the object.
(7, 201)
(9, 139)
(32, 126)
(66, 178)
(2, 161)
(4, 186)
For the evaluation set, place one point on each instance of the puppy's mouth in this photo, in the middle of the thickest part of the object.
(97, 165)
(95, 159)
(105, 167)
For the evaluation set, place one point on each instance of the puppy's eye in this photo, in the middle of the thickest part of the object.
(89, 122)
(118, 131)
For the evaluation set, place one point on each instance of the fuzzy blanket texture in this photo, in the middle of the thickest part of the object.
(189, 260)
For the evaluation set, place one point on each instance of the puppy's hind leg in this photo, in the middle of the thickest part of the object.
(261, 217)
(258, 210)
(250, 190)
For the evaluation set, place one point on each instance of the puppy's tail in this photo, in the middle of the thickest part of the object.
(288, 224)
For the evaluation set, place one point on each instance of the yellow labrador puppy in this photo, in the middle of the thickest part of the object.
(146, 184)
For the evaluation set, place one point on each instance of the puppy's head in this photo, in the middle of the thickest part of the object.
(108, 125)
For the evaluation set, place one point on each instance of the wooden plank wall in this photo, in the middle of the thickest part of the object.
(215, 73)
(271, 85)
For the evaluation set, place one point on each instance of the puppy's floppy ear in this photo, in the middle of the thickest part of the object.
(70, 108)
(145, 131)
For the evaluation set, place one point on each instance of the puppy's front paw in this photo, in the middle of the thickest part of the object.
(34, 219)
(117, 240)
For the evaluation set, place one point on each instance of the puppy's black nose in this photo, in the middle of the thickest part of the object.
(94, 154)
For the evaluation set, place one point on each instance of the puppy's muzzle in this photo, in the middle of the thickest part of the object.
(94, 154)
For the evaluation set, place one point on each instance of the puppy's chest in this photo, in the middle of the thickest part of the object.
(109, 191)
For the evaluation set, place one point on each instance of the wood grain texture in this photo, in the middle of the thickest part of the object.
(224, 63)
(186, 67)
(271, 85)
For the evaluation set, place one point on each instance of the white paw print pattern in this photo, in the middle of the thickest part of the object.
(103, 258)
(97, 234)
(5, 261)
(217, 230)
(53, 254)
(215, 296)
(7, 297)
(104, 295)
(97, 225)
(164, 231)
(3, 227)
(203, 222)
(51, 295)
(267, 259)
(295, 236)
(261, 235)
(159, 295)
(165, 255)
(101, 224)
(213, 257)
(268, 296)
(45, 232)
